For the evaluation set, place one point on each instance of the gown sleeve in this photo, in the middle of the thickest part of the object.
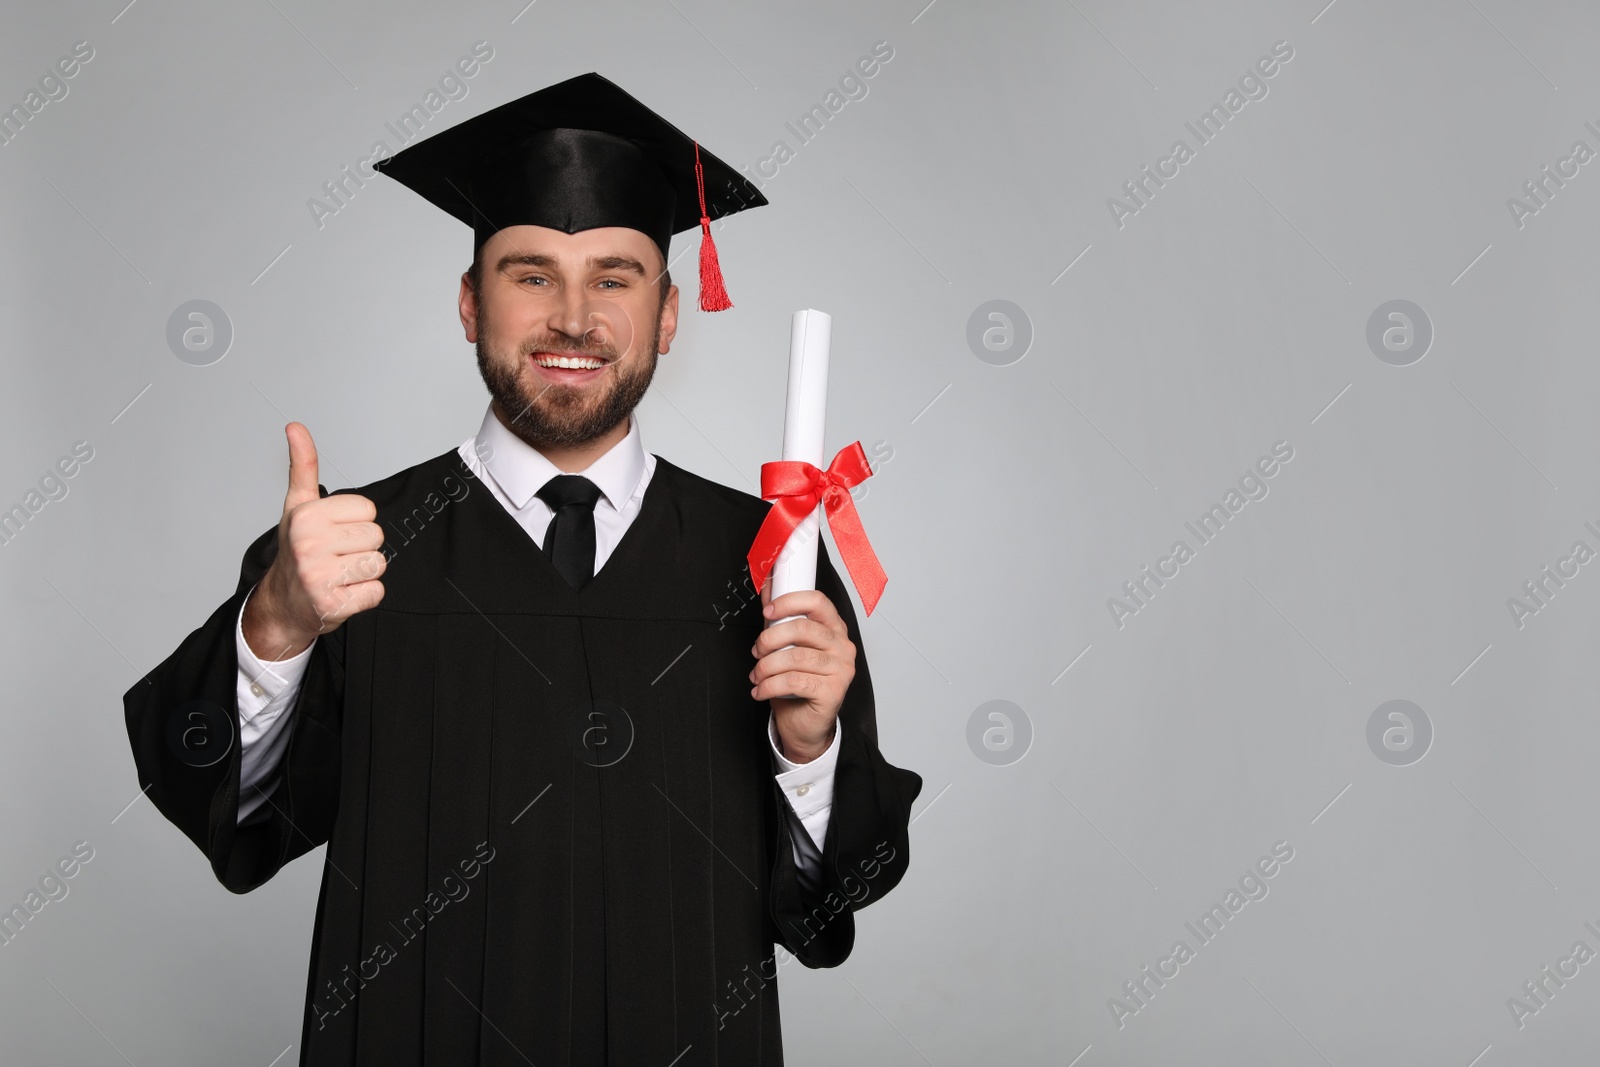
(183, 727)
(867, 847)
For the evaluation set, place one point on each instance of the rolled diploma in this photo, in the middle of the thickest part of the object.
(804, 416)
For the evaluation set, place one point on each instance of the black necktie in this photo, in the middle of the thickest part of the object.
(569, 540)
(569, 543)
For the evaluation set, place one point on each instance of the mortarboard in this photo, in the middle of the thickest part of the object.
(574, 156)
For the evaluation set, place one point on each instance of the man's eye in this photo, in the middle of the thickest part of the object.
(612, 282)
(535, 279)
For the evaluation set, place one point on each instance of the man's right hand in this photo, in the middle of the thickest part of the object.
(328, 562)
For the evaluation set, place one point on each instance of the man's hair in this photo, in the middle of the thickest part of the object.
(475, 277)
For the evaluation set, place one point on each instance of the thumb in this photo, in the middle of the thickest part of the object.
(302, 467)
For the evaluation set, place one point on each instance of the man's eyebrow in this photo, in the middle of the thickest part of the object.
(617, 262)
(525, 259)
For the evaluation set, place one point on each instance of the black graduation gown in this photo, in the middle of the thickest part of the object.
(553, 830)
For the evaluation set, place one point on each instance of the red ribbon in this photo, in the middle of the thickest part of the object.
(795, 487)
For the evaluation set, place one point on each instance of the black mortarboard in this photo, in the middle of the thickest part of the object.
(574, 156)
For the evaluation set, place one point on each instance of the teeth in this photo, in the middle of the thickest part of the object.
(572, 363)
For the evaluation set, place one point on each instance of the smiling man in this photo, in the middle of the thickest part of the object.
(570, 802)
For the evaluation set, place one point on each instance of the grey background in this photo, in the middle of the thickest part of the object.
(1229, 714)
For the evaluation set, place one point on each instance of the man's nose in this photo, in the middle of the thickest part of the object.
(567, 316)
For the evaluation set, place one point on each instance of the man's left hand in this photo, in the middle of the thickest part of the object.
(805, 683)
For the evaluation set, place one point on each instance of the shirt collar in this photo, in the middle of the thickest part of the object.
(522, 470)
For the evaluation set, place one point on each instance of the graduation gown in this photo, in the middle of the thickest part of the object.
(553, 829)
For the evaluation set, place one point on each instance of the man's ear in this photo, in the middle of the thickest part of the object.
(467, 303)
(669, 320)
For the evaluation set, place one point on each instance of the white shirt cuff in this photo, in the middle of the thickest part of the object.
(807, 786)
(265, 690)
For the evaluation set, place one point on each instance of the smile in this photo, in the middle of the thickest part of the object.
(568, 365)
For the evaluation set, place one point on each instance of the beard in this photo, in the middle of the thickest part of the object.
(553, 415)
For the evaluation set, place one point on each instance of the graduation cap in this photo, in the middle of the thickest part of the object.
(574, 156)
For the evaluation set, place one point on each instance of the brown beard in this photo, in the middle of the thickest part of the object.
(557, 415)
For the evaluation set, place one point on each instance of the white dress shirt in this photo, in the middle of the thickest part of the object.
(513, 471)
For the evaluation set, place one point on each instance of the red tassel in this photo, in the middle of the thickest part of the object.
(713, 293)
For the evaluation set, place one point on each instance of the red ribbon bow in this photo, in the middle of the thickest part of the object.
(795, 487)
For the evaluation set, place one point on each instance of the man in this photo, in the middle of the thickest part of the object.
(573, 781)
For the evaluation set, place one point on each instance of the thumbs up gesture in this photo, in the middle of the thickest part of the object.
(328, 563)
